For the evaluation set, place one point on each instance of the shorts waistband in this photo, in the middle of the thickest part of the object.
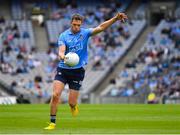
(81, 68)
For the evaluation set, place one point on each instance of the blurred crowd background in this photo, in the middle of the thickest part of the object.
(133, 62)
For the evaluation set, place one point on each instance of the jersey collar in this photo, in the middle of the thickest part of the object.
(70, 32)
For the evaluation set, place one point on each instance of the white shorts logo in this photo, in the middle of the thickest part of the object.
(75, 81)
(59, 73)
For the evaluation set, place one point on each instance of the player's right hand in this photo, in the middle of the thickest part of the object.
(121, 16)
(61, 56)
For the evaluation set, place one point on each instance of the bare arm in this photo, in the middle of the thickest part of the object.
(108, 23)
(61, 52)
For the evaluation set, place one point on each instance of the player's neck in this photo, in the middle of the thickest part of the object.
(75, 32)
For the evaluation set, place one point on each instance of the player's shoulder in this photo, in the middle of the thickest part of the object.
(67, 31)
(85, 29)
(64, 32)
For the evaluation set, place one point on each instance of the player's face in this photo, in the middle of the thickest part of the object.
(75, 25)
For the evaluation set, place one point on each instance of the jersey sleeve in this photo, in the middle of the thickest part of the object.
(89, 32)
(61, 40)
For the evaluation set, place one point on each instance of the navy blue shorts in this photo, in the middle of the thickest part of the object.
(73, 77)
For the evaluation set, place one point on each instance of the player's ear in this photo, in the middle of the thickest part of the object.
(82, 21)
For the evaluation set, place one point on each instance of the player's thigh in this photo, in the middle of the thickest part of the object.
(58, 87)
(75, 79)
(59, 81)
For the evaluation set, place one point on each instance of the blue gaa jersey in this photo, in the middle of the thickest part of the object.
(75, 43)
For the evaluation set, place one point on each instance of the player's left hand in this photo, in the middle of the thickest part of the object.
(121, 16)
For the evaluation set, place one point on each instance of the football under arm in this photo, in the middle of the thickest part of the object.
(61, 52)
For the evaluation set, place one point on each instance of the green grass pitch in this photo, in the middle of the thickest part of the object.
(109, 119)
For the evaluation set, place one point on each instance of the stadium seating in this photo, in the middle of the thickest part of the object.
(145, 69)
(22, 26)
(118, 53)
(141, 11)
(16, 9)
(54, 27)
(89, 82)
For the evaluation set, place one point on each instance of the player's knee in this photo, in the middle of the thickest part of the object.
(55, 97)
